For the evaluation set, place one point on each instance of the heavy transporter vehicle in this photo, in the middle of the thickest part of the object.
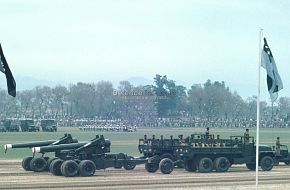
(30, 163)
(85, 158)
(205, 153)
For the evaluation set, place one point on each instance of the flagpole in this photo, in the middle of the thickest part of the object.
(258, 110)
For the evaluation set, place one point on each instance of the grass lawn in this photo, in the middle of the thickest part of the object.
(127, 142)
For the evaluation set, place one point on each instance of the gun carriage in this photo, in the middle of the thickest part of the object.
(85, 158)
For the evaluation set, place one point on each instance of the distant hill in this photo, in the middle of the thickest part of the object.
(28, 83)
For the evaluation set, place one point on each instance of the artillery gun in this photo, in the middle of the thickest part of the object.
(85, 158)
(32, 163)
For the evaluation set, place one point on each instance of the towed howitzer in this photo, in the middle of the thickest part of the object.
(28, 163)
(67, 138)
(85, 158)
(97, 145)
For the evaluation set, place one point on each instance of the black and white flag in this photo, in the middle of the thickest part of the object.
(274, 81)
(4, 68)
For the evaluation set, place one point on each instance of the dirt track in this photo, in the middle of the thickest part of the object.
(12, 176)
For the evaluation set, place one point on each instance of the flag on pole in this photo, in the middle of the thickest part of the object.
(4, 68)
(274, 81)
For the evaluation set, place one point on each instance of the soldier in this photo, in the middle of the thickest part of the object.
(207, 132)
(278, 144)
(247, 136)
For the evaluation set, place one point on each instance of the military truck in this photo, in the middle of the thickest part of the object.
(9, 125)
(205, 153)
(48, 125)
(27, 125)
(85, 158)
(284, 155)
(30, 163)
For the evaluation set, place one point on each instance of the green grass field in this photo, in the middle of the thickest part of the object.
(127, 142)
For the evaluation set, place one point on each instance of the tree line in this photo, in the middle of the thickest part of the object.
(163, 98)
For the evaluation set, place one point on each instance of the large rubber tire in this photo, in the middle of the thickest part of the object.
(38, 164)
(151, 167)
(267, 163)
(129, 163)
(55, 166)
(221, 164)
(26, 163)
(251, 167)
(166, 166)
(69, 168)
(287, 163)
(166, 155)
(87, 168)
(190, 166)
(205, 165)
(49, 161)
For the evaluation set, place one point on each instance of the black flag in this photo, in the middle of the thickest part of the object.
(4, 68)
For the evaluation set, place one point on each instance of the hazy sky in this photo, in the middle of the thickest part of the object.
(189, 41)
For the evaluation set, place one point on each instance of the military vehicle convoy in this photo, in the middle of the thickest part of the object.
(205, 153)
(85, 158)
(27, 125)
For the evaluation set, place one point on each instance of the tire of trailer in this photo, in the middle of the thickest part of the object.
(166, 166)
(190, 166)
(151, 167)
(267, 163)
(69, 168)
(129, 163)
(87, 168)
(26, 163)
(287, 163)
(251, 167)
(55, 166)
(205, 165)
(221, 164)
(38, 164)
(49, 161)
(166, 155)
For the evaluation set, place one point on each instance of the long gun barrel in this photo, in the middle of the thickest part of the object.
(67, 138)
(53, 148)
